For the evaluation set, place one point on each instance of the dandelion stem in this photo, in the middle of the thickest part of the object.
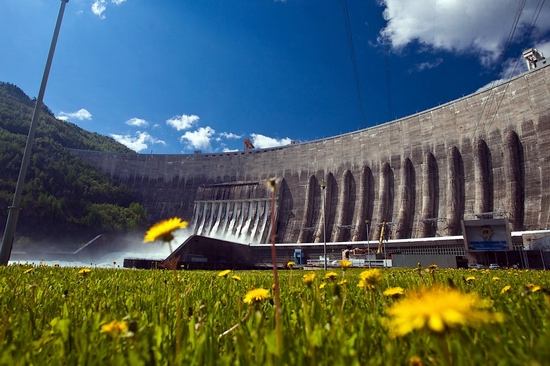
(237, 325)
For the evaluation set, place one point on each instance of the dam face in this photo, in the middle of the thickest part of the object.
(486, 155)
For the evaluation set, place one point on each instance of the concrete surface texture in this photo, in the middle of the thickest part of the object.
(485, 155)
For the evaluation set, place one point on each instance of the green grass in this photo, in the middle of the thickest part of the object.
(55, 315)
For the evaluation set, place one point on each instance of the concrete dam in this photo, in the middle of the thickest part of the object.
(486, 155)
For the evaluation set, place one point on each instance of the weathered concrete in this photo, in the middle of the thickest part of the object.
(484, 155)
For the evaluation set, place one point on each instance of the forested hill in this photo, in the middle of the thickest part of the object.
(64, 197)
(15, 116)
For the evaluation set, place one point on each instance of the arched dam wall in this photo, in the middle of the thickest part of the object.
(484, 155)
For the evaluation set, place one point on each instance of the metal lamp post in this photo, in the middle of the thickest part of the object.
(368, 242)
(13, 210)
(324, 198)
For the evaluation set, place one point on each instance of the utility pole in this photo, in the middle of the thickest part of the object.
(13, 210)
(324, 198)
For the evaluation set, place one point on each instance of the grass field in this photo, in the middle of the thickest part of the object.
(421, 316)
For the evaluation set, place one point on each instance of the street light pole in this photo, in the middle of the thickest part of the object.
(368, 242)
(324, 198)
(13, 210)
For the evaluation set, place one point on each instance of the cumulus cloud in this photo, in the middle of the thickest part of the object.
(544, 48)
(80, 115)
(262, 142)
(467, 26)
(137, 122)
(199, 139)
(182, 122)
(515, 66)
(99, 6)
(138, 142)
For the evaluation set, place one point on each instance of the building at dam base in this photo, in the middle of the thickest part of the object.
(483, 156)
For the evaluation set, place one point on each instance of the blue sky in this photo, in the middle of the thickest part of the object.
(171, 77)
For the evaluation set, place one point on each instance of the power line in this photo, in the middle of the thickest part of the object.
(388, 80)
(353, 61)
(515, 23)
(533, 22)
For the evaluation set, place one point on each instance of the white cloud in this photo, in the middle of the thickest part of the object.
(427, 65)
(182, 122)
(544, 48)
(230, 135)
(510, 68)
(80, 115)
(199, 139)
(227, 135)
(138, 142)
(262, 142)
(137, 122)
(99, 6)
(471, 26)
(225, 149)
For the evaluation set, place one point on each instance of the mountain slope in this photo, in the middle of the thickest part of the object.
(64, 197)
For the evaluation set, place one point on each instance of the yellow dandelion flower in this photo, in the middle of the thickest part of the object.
(505, 289)
(438, 309)
(343, 282)
(394, 292)
(432, 267)
(236, 278)
(256, 295)
(84, 271)
(322, 285)
(163, 230)
(308, 278)
(331, 276)
(535, 288)
(270, 184)
(530, 285)
(415, 361)
(29, 270)
(114, 327)
(345, 264)
(369, 279)
(224, 273)
(495, 278)
(471, 278)
(290, 264)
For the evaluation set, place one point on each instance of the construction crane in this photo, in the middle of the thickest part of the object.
(248, 144)
(382, 232)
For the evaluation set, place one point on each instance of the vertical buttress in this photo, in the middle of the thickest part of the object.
(384, 197)
(429, 219)
(342, 209)
(482, 202)
(305, 230)
(406, 201)
(515, 182)
(361, 208)
(454, 191)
